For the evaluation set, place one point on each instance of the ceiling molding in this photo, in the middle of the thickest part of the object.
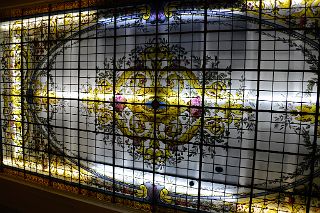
(21, 8)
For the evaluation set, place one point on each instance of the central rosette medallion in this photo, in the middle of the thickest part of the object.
(156, 103)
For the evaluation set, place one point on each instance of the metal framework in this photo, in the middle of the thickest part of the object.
(189, 105)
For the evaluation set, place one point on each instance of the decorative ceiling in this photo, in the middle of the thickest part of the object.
(200, 107)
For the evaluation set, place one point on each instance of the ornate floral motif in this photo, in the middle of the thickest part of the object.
(158, 104)
(306, 113)
(159, 107)
(24, 44)
(142, 192)
(301, 119)
(295, 12)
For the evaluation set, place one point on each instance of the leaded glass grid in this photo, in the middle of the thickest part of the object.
(191, 105)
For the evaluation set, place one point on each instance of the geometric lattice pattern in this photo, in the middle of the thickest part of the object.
(197, 106)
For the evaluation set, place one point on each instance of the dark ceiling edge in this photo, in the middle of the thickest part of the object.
(50, 196)
(46, 6)
(21, 4)
(38, 7)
